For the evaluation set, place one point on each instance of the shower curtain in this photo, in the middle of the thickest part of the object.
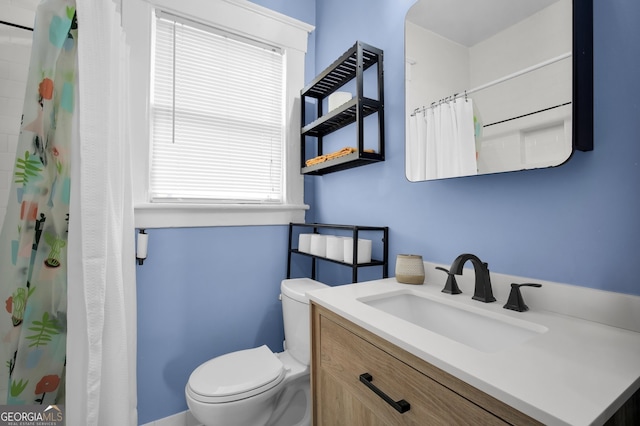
(67, 248)
(101, 344)
(441, 142)
(33, 240)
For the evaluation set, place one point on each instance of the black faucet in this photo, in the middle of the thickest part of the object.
(451, 287)
(516, 302)
(482, 291)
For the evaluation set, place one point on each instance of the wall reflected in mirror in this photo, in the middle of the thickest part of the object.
(488, 86)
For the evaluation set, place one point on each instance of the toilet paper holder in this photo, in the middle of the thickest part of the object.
(141, 246)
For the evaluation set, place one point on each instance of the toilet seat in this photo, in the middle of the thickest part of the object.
(235, 376)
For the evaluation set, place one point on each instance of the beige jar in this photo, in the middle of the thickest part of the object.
(409, 269)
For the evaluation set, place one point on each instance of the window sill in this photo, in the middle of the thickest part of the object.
(165, 215)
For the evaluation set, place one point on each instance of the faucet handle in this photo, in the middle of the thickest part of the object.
(451, 287)
(516, 302)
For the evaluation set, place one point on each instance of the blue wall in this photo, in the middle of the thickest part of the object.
(207, 291)
(577, 224)
(203, 292)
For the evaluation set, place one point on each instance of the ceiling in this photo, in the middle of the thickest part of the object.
(468, 22)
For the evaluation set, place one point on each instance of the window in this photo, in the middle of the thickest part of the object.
(207, 156)
(217, 115)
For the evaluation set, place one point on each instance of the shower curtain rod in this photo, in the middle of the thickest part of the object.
(11, 24)
(500, 80)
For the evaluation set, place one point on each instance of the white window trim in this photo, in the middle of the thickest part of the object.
(247, 19)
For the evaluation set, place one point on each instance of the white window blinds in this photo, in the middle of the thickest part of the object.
(218, 117)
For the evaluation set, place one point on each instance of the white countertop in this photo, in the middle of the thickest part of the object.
(577, 373)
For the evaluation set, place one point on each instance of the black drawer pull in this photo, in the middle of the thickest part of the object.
(401, 406)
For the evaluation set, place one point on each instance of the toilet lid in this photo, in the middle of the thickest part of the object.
(236, 375)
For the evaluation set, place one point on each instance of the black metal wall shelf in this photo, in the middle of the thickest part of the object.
(351, 65)
(340, 117)
(355, 234)
(342, 70)
(341, 163)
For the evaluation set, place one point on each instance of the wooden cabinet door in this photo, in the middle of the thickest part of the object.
(340, 407)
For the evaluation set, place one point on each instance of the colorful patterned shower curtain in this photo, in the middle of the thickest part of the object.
(33, 253)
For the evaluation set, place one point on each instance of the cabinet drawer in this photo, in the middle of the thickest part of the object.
(344, 356)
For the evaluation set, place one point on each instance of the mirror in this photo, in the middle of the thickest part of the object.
(493, 86)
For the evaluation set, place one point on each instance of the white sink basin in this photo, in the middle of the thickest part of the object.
(477, 328)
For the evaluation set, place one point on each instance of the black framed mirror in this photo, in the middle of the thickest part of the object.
(496, 85)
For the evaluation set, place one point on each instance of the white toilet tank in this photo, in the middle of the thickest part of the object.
(295, 310)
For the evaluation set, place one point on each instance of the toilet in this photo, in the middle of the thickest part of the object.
(255, 386)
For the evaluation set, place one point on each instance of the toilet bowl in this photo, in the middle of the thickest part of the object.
(255, 386)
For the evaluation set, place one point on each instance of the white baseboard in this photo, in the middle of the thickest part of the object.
(184, 418)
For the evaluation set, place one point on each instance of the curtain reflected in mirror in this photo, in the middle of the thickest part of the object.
(488, 86)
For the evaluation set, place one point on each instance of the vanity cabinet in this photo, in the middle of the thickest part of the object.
(343, 351)
(354, 232)
(350, 66)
